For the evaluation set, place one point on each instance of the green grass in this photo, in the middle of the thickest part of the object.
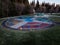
(56, 19)
(43, 37)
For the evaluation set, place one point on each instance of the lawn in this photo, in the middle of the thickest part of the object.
(43, 37)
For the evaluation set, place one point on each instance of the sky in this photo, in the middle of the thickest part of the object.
(50, 1)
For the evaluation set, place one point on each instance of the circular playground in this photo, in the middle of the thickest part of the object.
(27, 23)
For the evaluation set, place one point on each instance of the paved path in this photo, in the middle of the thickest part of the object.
(54, 16)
